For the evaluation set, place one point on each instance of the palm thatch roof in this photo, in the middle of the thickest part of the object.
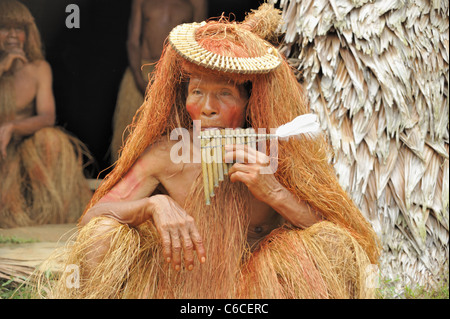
(377, 76)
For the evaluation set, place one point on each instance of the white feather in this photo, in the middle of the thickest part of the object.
(303, 124)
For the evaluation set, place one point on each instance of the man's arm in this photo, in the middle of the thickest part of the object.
(45, 104)
(266, 188)
(7, 60)
(129, 203)
(134, 44)
(299, 213)
(45, 110)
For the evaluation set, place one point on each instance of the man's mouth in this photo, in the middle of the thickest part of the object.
(12, 45)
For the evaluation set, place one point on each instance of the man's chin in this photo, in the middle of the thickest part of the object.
(9, 48)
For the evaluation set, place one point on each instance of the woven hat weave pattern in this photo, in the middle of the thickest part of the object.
(182, 39)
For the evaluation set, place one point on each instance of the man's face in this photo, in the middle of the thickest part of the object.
(216, 103)
(12, 39)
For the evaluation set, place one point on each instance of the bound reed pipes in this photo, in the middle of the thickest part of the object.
(214, 167)
(213, 143)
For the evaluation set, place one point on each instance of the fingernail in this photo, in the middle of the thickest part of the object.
(168, 259)
(190, 267)
(177, 267)
(203, 260)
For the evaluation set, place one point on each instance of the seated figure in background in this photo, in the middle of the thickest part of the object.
(41, 167)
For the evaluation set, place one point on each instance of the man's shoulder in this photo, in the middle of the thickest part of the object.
(147, 5)
(40, 63)
(40, 67)
(158, 153)
(161, 145)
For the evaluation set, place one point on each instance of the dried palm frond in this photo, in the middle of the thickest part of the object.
(377, 76)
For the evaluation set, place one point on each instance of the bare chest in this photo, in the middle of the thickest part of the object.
(168, 10)
(158, 19)
(179, 181)
(25, 89)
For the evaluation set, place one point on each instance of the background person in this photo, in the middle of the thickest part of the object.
(150, 23)
(40, 165)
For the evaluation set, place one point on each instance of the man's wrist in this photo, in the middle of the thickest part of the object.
(150, 207)
(294, 210)
(279, 200)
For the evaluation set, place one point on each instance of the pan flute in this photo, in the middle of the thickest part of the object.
(212, 144)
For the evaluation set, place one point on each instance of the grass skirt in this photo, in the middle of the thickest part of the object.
(322, 261)
(42, 180)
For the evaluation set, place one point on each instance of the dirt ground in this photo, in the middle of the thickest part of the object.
(24, 248)
(32, 245)
(41, 233)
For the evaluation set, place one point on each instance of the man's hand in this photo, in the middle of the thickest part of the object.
(6, 62)
(178, 232)
(264, 187)
(177, 229)
(6, 131)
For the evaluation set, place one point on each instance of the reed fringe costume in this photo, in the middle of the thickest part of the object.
(42, 178)
(330, 259)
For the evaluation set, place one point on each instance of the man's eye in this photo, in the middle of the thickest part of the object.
(196, 92)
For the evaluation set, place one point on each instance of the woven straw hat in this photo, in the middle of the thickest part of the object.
(183, 40)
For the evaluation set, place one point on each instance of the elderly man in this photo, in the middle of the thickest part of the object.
(293, 233)
(40, 166)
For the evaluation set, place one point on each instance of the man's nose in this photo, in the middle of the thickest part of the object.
(12, 32)
(210, 107)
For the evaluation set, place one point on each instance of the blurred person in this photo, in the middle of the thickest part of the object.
(150, 23)
(41, 167)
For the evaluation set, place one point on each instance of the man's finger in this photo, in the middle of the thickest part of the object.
(244, 154)
(238, 155)
(239, 167)
(23, 58)
(240, 176)
(198, 244)
(176, 249)
(167, 247)
(188, 249)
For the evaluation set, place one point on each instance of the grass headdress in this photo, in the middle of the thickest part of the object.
(15, 14)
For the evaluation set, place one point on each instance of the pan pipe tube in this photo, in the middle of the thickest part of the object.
(214, 167)
(205, 171)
